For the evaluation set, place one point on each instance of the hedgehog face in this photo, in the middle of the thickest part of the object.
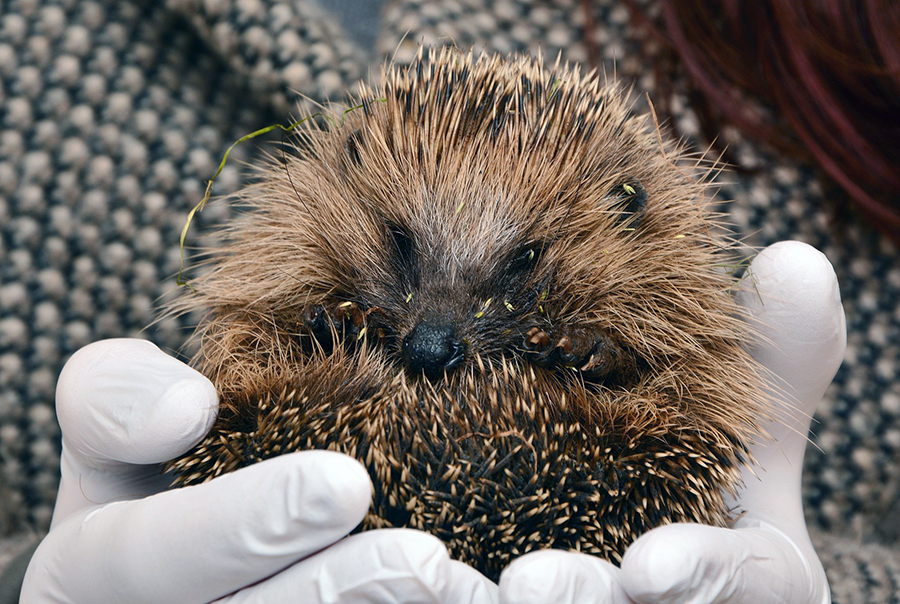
(498, 290)
(433, 302)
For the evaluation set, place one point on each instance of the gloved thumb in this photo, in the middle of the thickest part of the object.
(697, 564)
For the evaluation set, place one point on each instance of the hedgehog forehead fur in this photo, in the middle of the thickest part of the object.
(485, 247)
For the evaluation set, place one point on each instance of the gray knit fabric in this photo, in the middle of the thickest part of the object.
(113, 114)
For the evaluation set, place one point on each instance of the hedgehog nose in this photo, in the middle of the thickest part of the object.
(431, 348)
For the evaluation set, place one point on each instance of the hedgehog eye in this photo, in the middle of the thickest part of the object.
(352, 145)
(403, 243)
(630, 203)
(526, 257)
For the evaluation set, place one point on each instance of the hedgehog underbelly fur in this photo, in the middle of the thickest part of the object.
(498, 290)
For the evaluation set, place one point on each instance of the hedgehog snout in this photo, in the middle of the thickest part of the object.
(432, 347)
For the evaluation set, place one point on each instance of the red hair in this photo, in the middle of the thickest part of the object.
(814, 77)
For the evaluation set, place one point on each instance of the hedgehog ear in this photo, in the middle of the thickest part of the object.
(629, 202)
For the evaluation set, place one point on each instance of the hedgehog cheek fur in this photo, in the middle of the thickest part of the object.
(498, 290)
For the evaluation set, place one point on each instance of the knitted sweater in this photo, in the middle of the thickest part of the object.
(113, 114)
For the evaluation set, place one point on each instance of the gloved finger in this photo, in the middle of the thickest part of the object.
(197, 544)
(561, 578)
(123, 404)
(127, 401)
(697, 564)
(795, 303)
(797, 307)
(392, 566)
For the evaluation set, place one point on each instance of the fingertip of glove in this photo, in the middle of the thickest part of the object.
(676, 560)
(653, 573)
(114, 401)
(532, 578)
(284, 508)
(190, 400)
(560, 576)
(78, 371)
(796, 307)
(185, 413)
(796, 273)
(333, 486)
(350, 482)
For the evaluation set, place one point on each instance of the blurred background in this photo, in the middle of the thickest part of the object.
(114, 114)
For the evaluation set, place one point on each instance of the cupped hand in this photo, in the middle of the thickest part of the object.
(273, 532)
(767, 557)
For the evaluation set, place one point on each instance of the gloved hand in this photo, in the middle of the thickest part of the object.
(261, 534)
(767, 558)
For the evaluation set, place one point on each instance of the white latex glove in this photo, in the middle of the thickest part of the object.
(261, 534)
(767, 558)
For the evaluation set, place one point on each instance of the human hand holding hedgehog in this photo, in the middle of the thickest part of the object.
(118, 535)
(502, 293)
(766, 556)
(124, 406)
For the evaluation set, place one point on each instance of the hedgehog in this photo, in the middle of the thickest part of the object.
(500, 290)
